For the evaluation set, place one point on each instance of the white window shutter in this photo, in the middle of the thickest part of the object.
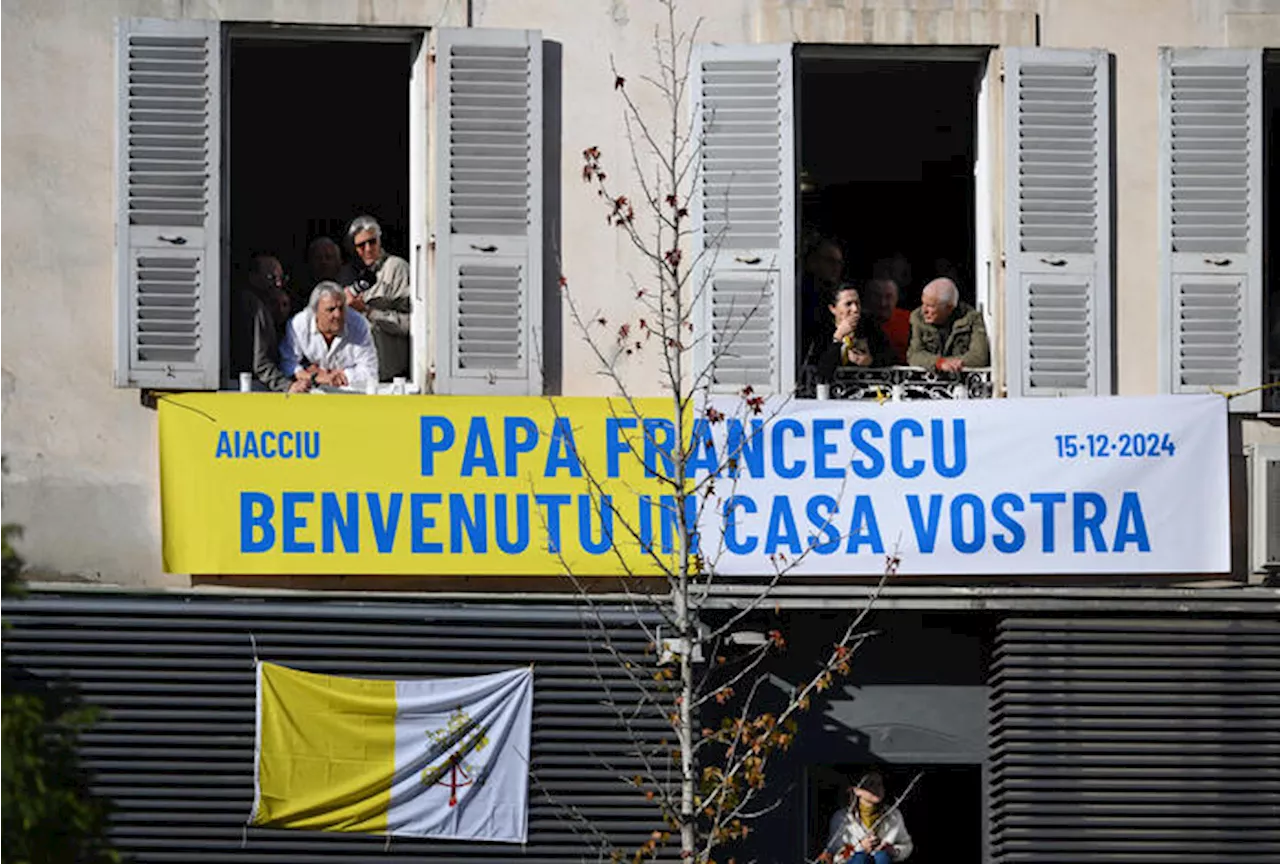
(1058, 222)
(743, 217)
(1211, 222)
(488, 192)
(168, 160)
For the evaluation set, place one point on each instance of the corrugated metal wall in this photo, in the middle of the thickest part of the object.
(174, 676)
(1137, 740)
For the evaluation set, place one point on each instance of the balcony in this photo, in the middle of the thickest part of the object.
(897, 383)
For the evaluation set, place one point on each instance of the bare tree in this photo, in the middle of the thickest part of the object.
(710, 783)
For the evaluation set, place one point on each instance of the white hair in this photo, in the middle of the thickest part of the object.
(325, 288)
(359, 225)
(946, 290)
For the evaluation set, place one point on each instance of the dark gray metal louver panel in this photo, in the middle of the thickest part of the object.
(489, 147)
(174, 749)
(1135, 740)
(168, 135)
(1059, 335)
(1057, 146)
(1210, 138)
(1210, 334)
(167, 316)
(491, 313)
(741, 178)
(743, 327)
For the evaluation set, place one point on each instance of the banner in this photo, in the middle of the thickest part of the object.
(273, 484)
(262, 483)
(445, 758)
(997, 486)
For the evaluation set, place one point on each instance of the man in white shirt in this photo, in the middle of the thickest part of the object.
(327, 345)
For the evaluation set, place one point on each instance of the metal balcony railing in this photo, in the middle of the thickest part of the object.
(897, 383)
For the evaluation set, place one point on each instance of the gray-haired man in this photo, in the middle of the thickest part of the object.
(377, 286)
(326, 346)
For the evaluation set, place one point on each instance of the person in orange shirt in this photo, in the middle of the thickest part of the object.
(880, 297)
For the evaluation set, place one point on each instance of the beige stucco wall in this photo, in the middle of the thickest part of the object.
(82, 456)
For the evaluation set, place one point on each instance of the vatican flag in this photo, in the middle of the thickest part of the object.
(445, 757)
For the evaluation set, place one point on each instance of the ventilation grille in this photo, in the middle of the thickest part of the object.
(489, 139)
(1057, 158)
(174, 679)
(1210, 332)
(742, 328)
(168, 130)
(741, 180)
(1059, 335)
(490, 317)
(167, 317)
(1135, 740)
(1210, 139)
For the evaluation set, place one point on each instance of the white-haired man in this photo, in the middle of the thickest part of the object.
(377, 286)
(947, 334)
(326, 346)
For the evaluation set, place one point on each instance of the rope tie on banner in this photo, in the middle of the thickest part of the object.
(253, 643)
(386, 847)
(244, 836)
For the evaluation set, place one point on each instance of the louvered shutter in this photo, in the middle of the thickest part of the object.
(744, 216)
(1134, 741)
(168, 220)
(1211, 221)
(1058, 222)
(488, 107)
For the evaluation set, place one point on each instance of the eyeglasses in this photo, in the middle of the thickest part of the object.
(372, 241)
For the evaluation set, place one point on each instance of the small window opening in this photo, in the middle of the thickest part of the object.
(318, 134)
(887, 149)
(942, 813)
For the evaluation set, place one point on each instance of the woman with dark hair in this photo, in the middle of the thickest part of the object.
(868, 831)
(852, 339)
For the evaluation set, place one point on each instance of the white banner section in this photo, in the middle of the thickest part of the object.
(990, 487)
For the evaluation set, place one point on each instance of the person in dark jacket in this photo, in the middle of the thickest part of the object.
(851, 340)
(257, 321)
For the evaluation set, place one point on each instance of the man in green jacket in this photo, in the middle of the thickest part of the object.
(947, 334)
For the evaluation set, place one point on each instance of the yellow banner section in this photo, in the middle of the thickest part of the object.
(260, 483)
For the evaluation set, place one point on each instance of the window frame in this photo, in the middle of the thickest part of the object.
(417, 40)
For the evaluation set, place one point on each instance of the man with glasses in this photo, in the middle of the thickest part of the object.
(260, 309)
(377, 286)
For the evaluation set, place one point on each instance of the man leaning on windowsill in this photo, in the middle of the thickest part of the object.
(327, 345)
(947, 334)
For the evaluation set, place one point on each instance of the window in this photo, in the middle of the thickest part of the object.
(1211, 157)
(891, 150)
(261, 141)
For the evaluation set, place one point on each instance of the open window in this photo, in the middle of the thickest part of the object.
(892, 152)
(243, 139)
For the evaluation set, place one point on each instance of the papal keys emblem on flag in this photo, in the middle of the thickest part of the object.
(458, 739)
(445, 757)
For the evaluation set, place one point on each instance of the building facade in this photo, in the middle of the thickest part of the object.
(1097, 176)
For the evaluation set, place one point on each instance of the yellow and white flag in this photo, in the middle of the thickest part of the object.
(445, 757)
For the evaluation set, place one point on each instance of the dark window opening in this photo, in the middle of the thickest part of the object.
(1270, 200)
(942, 813)
(318, 134)
(887, 149)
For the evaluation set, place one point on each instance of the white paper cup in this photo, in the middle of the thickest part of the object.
(397, 385)
(822, 391)
(246, 382)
